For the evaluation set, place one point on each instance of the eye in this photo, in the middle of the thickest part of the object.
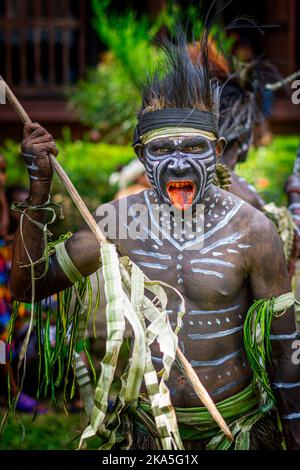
(196, 148)
(160, 151)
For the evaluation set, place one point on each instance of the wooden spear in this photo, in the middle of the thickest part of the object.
(87, 216)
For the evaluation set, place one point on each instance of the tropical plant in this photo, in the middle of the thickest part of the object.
(267, 167)
(91, 164)
(108, 98)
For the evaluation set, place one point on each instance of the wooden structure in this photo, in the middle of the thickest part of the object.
(46, 45)
(43, 51)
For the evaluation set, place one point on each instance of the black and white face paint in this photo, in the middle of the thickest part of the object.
(180, 168)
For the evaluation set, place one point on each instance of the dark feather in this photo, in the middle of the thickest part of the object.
(180, 82)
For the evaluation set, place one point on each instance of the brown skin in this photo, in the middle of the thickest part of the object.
(259, 271)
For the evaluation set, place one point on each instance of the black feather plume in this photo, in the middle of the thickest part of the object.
(180, 82)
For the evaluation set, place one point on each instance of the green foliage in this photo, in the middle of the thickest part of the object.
(53, 431)
(107, 105)
(108, 98)
(268, 167)
(90, 165)
(128, 38)
(194, 17)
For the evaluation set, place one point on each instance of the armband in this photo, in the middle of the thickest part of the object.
(67, 264)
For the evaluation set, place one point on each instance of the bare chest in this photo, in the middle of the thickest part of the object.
(208, 272)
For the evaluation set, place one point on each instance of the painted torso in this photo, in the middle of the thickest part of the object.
(210, 272)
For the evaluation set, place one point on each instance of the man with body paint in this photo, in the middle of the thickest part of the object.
(233, 258)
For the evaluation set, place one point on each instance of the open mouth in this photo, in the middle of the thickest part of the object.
(181, 193)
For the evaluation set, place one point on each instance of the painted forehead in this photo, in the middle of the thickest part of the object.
(180, 139)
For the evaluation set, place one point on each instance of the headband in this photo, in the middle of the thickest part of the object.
(179, 118)
(175, 131)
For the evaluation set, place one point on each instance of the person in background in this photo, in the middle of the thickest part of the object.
(131, 179)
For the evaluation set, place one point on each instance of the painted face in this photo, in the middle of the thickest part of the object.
(181, 169)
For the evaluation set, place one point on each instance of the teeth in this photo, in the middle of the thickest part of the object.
(180, 184)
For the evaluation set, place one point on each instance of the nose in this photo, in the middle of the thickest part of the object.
(179, 165)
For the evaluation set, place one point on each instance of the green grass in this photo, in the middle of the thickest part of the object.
(52, 431)
(268, 167)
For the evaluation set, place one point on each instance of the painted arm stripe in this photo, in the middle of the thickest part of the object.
(278, 337)
(291, 416)
(286, 385)
(216, 335)
(153, 265)
(32, 167)
(30, 155)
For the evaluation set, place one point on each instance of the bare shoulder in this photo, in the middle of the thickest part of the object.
(254, 221)
(264, 254)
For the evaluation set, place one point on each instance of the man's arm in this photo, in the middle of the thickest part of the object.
(82, 247)
(269, 278)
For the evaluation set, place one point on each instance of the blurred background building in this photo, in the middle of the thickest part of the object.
(47, 45)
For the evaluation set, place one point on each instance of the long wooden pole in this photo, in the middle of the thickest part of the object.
(194, 379)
